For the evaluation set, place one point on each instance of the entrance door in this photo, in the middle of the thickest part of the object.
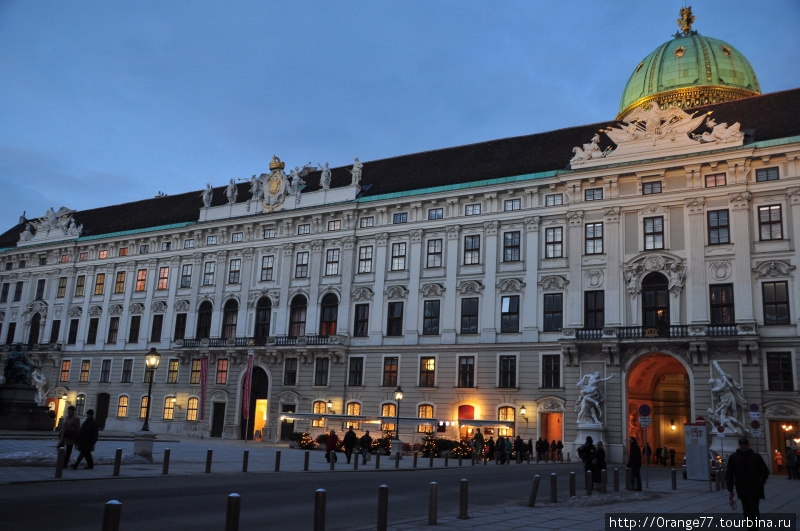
(551, 427)
(259, 393)
(218, 419)
(655, 303)
(103, 400)
(287, 425)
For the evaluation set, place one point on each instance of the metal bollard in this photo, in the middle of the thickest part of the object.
(433, 502)
(627, 478)
(278, 461)
(446, 458)
(165, 466)
(674, 479)
(232, 515)
(415, 459)
(111, 515)
(572, 492)
(332, 460)
(60, 462)
(355, 461)
(430, 460)
(319, 510)
(718, 477)
(377, 461)
(603, 480)
(245, 460)
(588, 476)
(397, 460)
(463, 500)
(553, 488)
(534, 490)
(616, 479)
(305, 461)
(117, 461)
(383, 507)
(208, 460)
(460, 460)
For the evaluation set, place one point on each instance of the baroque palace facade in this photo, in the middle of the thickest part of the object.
(651, 260)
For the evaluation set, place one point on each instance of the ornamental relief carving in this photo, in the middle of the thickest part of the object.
(349, 242)
(182, 305)
(773, 269)
(594, 278)
(416, 235)
(532, 223)
(470, 287)
(452, 231)
(95, 311)
(696, 205)
(137, 308)
(39, 307)
(432, 290)
(653, 209)
(382, 238)
(396, 292)
(158, 306)
(510, 285)
(75, 311)
(554, 282)
(490, 227)
(219, 396)
(115, 309)
(575, 217)
(612, 214)
(782, 411)
(720, 269)
(670, 266)
(362, 294)
(551, 404)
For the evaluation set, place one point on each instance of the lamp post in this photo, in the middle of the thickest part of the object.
(151, 363)
(397, 445)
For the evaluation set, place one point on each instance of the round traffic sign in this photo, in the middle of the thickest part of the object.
(700, 420)
(721, 429)
(753, 407)
(755, 424)
(644, 410)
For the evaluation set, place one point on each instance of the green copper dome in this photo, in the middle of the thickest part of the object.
(688, 71)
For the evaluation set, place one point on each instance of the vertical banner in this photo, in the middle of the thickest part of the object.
(247, 377)
(203, 378)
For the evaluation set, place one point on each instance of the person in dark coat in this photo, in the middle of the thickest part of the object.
(635, 465)
(500, 450)
(587, 452)
(599, 462)
(365, 444)
(87, 438)
(68, 433)
(560, 448)
(647, 453)
(519, 448)
(330, 446)
(489, 455)
(553, 451)
(748, 471)
(349, 443)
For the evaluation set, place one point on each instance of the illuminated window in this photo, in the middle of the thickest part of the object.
(163, 278)
(191, 408)
(119, 282)
(427, 372)
(85, 366)
(65, 370)
(172, 371)
(103, 254)
(222, 371)
(388, 410)
(194, 376)
(169, 408)
(319, 407)
(122, 406)
(123, 251)
(425, 411)
(141, 279)
(61, 292)
(353, 408)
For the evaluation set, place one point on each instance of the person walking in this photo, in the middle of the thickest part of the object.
(748, 472)
(791, 461)
(648, 452)
(365, 445)
(587, 452)
(349, 443)
(664, 455)
(635, 465)
(519, 448)
(477, 444)
(489, 454)
(560, 448)
(69, 431)
(87, 438)
(330, 446)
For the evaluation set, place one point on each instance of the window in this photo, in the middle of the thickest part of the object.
(12, 329)
(776, 303)
(389, 371)
(331, 262)
(123, 251)
(80, 282)
(133, 333)
(56, 328)
(234, 271)
(472, 250)
(398, 256)
(353, 408)
(301, 265)
(143, 407)
(511, 246)
(180, 326)
(469, 315)
(82, 257)
(766, 174)
(388, 410)
(321, 371)
(42, 260)
(267, 268)
(361, 321)
(594, 238)
(230, 318)
(208, 273)
(172, 370)
(554, 243)
(166, 246)
(653, 187)
(186, 276)
(436, 213)
(158, 324)
(722, 304)
(355, 373)
(297, 316)
(263, 310)
(335, 224)
(211, 240)
(122, 407)
(4, 293)
(400, 217)
(40, 284)
(394, 319)
(594, 310)
(716, 179)
(144, 249)
(718, 227)
(80, 403)
(365, 259)
(119, 282)
(509, 314)
(551, 371)
(554, 200)
(91, 335)
(507, 372)
(779, 371)
(329, 316)
(305, 228)
(64, 371)
(127, 371)
(472, 210)
(163, 278)
(654, 233)
(18, 292)
(769, 223)
(368, 221)
(427, 372)
(188, 243)
(64, 258)
(512, 204)
(319, 407)
(191, 408)
(84, 375)
(434, 258)
(105, 371)
(269, 234)
(552, 312)
(236, 237)
(103, 255)
(466, 371)
(290, 371)
(593, 194)
(196, 372)
(169, 408)
(141, 279)
(72, 335)
(430, 318)
(222, 371)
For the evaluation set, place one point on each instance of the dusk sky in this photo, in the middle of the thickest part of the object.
(104, 103)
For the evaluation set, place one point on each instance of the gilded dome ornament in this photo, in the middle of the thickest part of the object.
(686, 20)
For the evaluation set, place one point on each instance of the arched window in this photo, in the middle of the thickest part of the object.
(388, 410)
(263, 311)
(230, 316)
(169, 408)
(425, 411)
(204, 320)
(655, 303)
(122, 406)
(143, 406)
(330, 312)
(191, 409)
(320, 407)
(297, 317)
(508, 414)
(353, 408)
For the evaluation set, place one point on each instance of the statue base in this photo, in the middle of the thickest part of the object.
(143, 444)
(587, 429)
(19, 410)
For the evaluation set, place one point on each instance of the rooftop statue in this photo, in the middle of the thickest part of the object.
(356, 172)
(325, 177)
(18, 367)
(231, 192)
(207, 195)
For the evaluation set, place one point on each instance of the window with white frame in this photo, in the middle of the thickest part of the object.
(122, 406)
(436, 213)
(192, 406)
(301, 265)
(305, 228)
(331, 262)
(427, 371)
(511, 246)
(169, 408)
(472, 250)
(365, 259)
(770, 224)
(594, 238)
(269, 234)
(234, 271)
(335, 224)
(188, 243)
(473, 209)
(208, 273)
(551, 371)
(163, 278)
(554, 242)
(512, 204)
(186, 276)
(398, 256)
(141, 280)
(368, 221)
(211, 240)
(507, 372)
(267, 267)
(434, 256)
(236, 237)
(654, 233)
(554, 199)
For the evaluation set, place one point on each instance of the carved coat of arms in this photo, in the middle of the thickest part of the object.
(274, 184)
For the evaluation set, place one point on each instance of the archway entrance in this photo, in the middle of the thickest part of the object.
(660, 381)
(253, 427)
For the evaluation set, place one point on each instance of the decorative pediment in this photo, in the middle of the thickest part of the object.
(432, 290)
(36, 307)
(137, 308)
(219, 396)
(52, 226)
(470, 287)
(362, 294)
(396, 292)
(159, 306)
(510, 285)
(773, 269)
(554, 282)
(95, 311)
(75, 311)
(671, 266)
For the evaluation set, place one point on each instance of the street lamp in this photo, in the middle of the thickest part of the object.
(151, 363)
(398, 396)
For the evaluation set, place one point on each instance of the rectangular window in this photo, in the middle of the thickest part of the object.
(766, 174)
(62, 288)
(551, 371)
(40, 284)
(91, 335)
(430, 319)
(335, 224)
(82, 257)
(507, 375)
(72, 335)
(196, 372)
(105, 371)
(434, 258)
(779, 371)
(290, 371)
(169, 408)
(552, 312)
(469, 315)
(123, 251)
(716, 179)
(361, 321)
(80, 282)
(166, 246)
(512, 204)
(144, 249)
(301, 265)
(331, 262)
(554, 242)
(234, 271)
(65, 364)
(472, 210)
(133, 332)
(355, 372)
(191, 408)
(64, 258)
(511, 246)
(389, 371)
(4, 293)
(269, 234)
(188, 243)
(321, 372)
(85, 367)
(365, 259)
(436, 213)
(554, 200)
(770, 226)
(18, 292)
(368, 221)
(42, 260)
(163, 278)
(158, 324)
(56, 328)
(222, 371)
(776, 303)
(141, 279)
(472, 250)
(143, 407)
(186, 276)
(398, 256)
(594, 310)
(119, 282)
(172, 370)
(653, 187)
(594, 238)
(180, 326)
(718, 227)
(103, 254)
(466, 371)
(509, 314)
(400, 217)
(211, 240)
(305, 228)
(654, 233)
(593, 194)
(394, 319)
(427, 372)
(722, 304)
(127, 371)
(122, 407)
(208, 273)
(236, 237)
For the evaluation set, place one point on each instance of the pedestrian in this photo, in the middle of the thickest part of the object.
(477, 444)
(365, 445)
(87, 438)
(68, 433)
(519, 448)
(330, 446)
(587, 452)
(647, 453)
(635, 465)
(664, 455)
(509, 449)
(500, 450)
(560, 448)
(672, 457)
(748, 471)
(599, 462)
(489, 454)
(553, 449)
(529, 449)
(349, 443)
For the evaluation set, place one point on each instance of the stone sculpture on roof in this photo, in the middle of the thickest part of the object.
(207, 195)
(232, 192)
(356, 172)
(325, 177)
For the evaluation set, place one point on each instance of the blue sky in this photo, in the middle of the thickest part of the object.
(104, 103)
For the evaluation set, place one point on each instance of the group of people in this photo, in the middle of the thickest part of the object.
(83, 435)
(349, 445)
(551, 452)
(792, 462)
(593, 458)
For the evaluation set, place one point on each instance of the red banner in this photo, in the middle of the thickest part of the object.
(203, 378)
(247, 378)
